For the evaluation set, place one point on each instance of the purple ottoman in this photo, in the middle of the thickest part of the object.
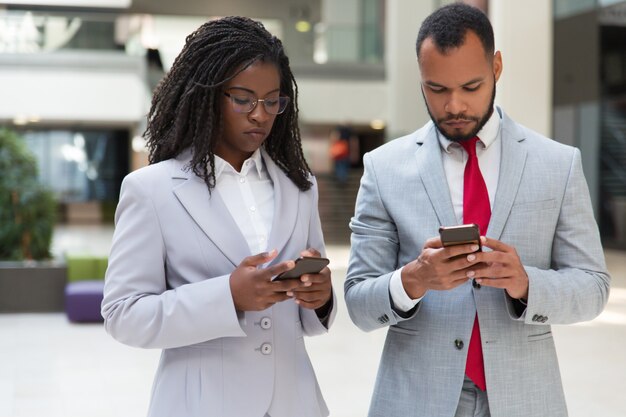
(82, 301)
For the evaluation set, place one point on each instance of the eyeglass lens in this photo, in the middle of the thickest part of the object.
(243, 103)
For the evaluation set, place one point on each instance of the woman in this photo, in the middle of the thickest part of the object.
(227, 203)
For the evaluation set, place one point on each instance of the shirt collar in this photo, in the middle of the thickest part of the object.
(488, 134)
(255, 160)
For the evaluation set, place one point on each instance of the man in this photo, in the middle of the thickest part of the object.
(470, 331)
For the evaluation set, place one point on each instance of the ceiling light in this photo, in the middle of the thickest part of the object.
(303, 26)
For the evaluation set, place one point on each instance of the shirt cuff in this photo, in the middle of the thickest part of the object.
(400, 298)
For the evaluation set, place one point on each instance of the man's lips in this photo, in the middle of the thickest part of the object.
(457, 123)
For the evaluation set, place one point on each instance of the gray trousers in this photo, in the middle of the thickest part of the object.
(473, 402)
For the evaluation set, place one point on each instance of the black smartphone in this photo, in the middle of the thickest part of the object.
(460, 235)
(305, 265)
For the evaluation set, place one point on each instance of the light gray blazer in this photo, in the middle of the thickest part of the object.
(542, 208)
(167, 287)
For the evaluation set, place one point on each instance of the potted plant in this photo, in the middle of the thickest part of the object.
(29, 279)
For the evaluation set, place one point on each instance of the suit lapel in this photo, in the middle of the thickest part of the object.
(286, 203)
(431, 172)
(512, 164)
(210, 213)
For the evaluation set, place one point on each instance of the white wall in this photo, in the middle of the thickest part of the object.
(96, 89)
(337, 101)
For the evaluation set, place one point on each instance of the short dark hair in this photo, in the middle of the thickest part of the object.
(448, 26)
(186, 110)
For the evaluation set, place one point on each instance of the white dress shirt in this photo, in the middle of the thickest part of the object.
(249, 197)
(488, 150)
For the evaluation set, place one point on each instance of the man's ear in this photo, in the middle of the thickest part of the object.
(497, 65)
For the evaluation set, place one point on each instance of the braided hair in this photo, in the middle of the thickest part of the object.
(186, 110)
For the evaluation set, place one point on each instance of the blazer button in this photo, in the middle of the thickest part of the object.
(266, 323)
(266, 349)
(475, 284)
(459, 344)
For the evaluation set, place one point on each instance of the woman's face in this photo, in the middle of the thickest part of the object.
(244, 132)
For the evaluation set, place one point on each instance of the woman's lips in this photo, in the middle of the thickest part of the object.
(256, 133)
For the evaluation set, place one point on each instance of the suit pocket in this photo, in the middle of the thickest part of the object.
(403, 330)
(540, 336)
(534, 205)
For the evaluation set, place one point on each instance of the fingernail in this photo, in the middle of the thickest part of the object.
(471, 257)
(470, 274)
(474, 247)
(289, 293)
(483, 239)
(308, 284)
(304, 278)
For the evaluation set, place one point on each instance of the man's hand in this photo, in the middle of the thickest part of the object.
(500, 268)
(253, 289)
(315, 290)
(437, 268)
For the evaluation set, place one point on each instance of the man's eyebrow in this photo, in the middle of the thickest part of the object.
(470, 82)
(474, 81)
(434, 84)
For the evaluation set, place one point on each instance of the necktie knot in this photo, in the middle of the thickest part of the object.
(470, 145)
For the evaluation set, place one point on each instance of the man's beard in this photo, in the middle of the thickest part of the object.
(481, 121)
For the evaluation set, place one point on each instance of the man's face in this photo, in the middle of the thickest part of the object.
(459, 87)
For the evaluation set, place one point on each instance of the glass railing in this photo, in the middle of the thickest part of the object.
(307, 43)
(37, 32)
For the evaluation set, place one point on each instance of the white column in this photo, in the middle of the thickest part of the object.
(523, 33)
(407, 110)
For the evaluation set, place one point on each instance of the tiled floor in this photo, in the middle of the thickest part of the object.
(51, 368)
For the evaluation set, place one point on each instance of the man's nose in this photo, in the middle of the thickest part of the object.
(455, 104)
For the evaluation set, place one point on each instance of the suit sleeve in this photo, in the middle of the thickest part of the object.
(373, 258)
(576, 287)
(138, 307)
(311, 323)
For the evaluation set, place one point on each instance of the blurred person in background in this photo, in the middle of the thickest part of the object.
(227, 203)
(341, 138)
(469, 331)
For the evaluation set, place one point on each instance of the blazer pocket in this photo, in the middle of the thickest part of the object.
(540, 336)
(403, 330)
(534, 205)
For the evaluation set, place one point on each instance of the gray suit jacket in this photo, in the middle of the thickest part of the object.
(167, 287)
(542, 208)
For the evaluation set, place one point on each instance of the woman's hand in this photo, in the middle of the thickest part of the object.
(315, 290)
(252, 287)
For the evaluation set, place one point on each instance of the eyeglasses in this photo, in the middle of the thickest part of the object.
(245, 103)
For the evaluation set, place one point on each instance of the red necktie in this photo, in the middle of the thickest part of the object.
(476, 209)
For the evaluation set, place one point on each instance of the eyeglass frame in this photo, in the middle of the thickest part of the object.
(256, 101)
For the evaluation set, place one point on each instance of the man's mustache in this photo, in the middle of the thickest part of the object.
(458, 118)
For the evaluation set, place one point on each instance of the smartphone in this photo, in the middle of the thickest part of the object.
(460, 235)
(305, 265)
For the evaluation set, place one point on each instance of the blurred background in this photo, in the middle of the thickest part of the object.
(76, 78)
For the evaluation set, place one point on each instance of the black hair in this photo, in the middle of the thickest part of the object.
(448, 26)
(186, 110)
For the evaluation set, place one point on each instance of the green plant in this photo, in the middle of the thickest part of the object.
(27, 208)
